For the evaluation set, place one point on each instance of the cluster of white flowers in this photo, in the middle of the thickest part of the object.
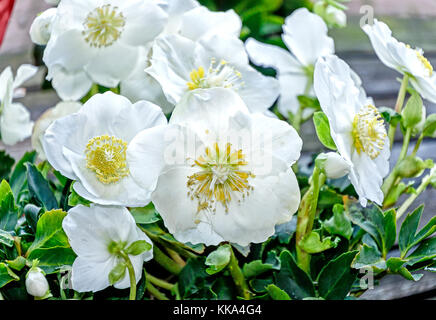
(220, 168)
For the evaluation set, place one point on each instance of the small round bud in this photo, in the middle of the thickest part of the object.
(36, 283)
(335, 166)
(335, 17)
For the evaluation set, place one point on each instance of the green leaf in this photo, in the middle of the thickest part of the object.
(145, 215)
(117, 273)
(138, 247)
(409, 236)
(19, 175)
(259, 285)
(412, 112)
(322, 127)
(51, 245)
(430, 126)
(395, 264)
(6, 163)
(18, 263)
(8, 210)
(369, 256)
(312, 243)
(339, 224)
(390, 115)
(276, 293)
(294, 281)
(39, 188)
(6, 275)
(425, 251)
(74, 199)
(255, 268)
(217, 260)
(6, 238)
(31, 212)
(192, 277)
(337, 277)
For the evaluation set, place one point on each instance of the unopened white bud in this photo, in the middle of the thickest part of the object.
(40, 30)
(36, 283)
(335, 166)
(335, 17)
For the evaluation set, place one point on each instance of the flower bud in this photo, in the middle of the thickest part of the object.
(412, 167)
(36, 283)
(335, 166)
(335, 17)
(40, 30)
(420, 126)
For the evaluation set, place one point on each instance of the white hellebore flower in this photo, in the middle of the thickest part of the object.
(90, 147)
(62, 109)
(356, 127)
(305, 35)
(401, 57)
(40, 30)
(228, 171)
(94, 233)
(190, 20)
(15, 123)
(36, 283)
(181, 65)
(98, 41)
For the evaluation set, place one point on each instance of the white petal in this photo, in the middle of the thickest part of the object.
(201, 22)
(270, 56)
(305, 34)
(24, 73)
(15, 123)
(291, 86)
(41, 27)
(92, 276)
(228, 48)
(426, 87)
(70, 85)
(175, 10)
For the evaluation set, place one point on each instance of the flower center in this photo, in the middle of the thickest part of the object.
(218, 75)
(103, 26)
(369, 133)
(220, 179)
(106, 156)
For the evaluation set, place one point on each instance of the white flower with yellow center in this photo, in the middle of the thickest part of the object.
(356, 127)
(93, 233)
(228, 171)
(190, 20)
(15, 123)
(98, 41)
(181, 65)
(305, 35)
(403, 58)
(90, 147)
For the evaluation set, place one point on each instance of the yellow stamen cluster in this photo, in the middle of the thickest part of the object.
(220, 178)
(103, 26)
(369, 132)
(425, 62)
(106, 156)
(218, 75)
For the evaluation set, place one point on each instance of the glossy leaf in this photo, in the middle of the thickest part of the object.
(322, 127)
(339, 224)
(39, 188)
(217, 260)
(276, 293)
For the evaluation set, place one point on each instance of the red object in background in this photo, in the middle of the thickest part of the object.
(6, 7)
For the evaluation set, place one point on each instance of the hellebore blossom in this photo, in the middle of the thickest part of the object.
(181, 65)
(41, 27)
(305, 35)
(189, 20)
(102, 237)
(356, 126)
(228, 171)
(402, 58)
(36, 283)
(15, 123)
(90, 147)
(98, 41)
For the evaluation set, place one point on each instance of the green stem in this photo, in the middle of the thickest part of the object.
(132, 277)
(392, 178)
(159, 282)
(165, 261)
(398, 107)
(417, 145)
(155, 292)
(175, 256)
(238, 277)
(306, 217)
(424, 184)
